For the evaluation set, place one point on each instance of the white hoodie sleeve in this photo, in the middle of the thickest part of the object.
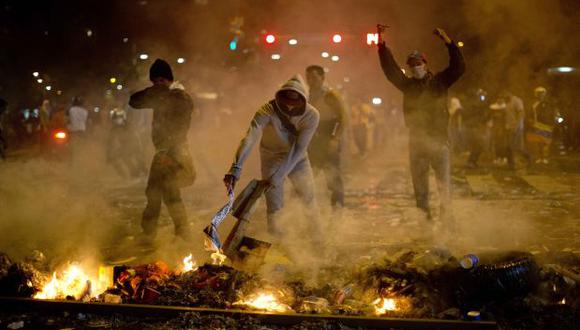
(253, 135)
(299, 149)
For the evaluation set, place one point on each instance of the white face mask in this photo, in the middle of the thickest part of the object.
(419, 71)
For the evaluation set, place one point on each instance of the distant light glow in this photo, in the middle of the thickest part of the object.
(60, 135)
(561, 69)
(181, 60)
(372, 39)
(565, 69)
(119, 87)
(377, 100)
(276, 57)
(89, 33)
(143, 56)
(113, 80)
(560, 119)
(234, 44)
(335, 58)
(324, 54)
(39, 80)
(293, 42)
(270, 38)
(337, 38)
(346, 79)
(35, 74)
(460, 44)
(125, 40)
(48, 88)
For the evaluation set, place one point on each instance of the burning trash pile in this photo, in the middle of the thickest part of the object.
(507, 287)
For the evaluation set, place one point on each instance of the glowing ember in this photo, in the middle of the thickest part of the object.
(264, 301)
(218, 258)
(563, 301)
(189, 264)
(384, 305)
(74, 282)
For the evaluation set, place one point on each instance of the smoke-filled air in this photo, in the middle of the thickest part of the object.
(289, 164)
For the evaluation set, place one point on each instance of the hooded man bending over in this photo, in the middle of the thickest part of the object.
(284, 126)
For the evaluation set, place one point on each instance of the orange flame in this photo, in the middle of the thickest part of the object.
(264, 301)
(384, 305)
(189, 264)
(75, 282)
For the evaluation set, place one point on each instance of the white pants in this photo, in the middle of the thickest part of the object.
(303, 182)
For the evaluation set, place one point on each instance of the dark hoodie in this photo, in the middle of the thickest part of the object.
(280, 149)
(425, 100)
(172, 110)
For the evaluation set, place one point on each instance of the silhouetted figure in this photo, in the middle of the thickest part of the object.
(172, 166)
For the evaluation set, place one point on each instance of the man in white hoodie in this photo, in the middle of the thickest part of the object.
(284, 126)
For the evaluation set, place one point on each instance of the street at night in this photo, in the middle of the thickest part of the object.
(269, 165)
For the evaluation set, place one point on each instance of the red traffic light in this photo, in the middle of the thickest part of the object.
(372, 39)
(270, 38)
(337, 38)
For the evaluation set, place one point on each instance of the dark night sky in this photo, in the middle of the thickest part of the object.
(51, 35)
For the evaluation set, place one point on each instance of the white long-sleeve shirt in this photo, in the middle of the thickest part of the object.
(77, 119)
(277, 146)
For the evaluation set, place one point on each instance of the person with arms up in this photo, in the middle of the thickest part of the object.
(426, 116)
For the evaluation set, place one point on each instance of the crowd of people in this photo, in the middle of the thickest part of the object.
(507, 128)
(305, 129)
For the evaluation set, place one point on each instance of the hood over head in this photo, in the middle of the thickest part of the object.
(296, 84)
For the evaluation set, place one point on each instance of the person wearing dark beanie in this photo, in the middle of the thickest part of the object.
(172, 166)
(160, 69)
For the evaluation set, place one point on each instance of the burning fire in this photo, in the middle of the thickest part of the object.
(75, 282)
(218, 258)
(384, 305)
(189, 264)
(264, 301)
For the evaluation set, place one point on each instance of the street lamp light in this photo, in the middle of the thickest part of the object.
(324, 54)
(335, 58)
(48, 88)
(35, 74)
(143, 56)
(39, 80)
(276, 57)
(293, 42)
(377, 100)
(180, 60)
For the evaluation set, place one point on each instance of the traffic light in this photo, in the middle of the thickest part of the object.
(270, 39)
(372, 39)
(337, 38)
(234, 44)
